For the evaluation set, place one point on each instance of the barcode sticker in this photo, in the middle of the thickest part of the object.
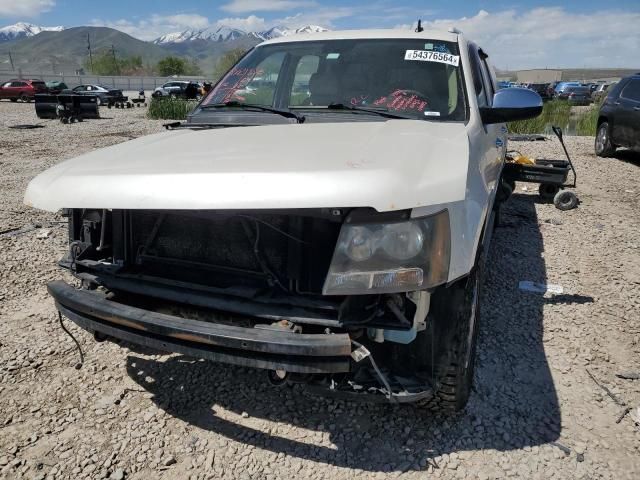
(432, 56)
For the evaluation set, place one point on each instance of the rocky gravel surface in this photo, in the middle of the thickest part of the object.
(536, 413)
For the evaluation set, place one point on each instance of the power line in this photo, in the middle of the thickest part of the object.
(90, 54)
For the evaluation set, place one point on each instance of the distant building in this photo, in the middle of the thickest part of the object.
(540, 75)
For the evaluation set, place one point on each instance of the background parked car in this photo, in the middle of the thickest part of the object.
(170, 89)
(619, 118)
(24, 90)
(601, 91)
(182, 89)
(105, 95)
(562, 86)
(56, 87)
(541, 89)
(576, 95)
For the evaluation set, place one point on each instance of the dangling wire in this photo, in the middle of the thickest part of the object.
(78, 365)
(381, 376)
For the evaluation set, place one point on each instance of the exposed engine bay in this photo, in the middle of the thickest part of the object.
(259, 270)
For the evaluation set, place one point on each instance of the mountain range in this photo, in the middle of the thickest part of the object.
(24, 30)
(58, 49)
(225, 34)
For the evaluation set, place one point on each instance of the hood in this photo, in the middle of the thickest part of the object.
(391, 165)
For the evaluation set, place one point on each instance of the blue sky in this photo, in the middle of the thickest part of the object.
(538, 33)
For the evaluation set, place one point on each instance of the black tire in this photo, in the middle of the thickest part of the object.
(602, 144)
(548, 191)
(455, 382)
(14, 100)
(98, 101)
(565, 200)
(24, 98)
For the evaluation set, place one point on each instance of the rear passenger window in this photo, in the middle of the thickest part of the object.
(632, 91)
(478, 79)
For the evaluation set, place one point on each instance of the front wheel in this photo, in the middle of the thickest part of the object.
(24, 98)
(453, 387)
(603, 145)
(98, 101)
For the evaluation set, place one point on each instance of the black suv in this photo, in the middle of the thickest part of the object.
(619, 118)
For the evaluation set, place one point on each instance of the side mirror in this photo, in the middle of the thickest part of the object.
(511, 104)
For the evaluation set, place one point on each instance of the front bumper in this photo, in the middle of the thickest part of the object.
(251, 347)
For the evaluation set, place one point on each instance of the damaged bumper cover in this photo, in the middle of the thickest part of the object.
(250, 347)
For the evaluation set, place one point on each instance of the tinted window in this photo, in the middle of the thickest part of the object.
(478, 80)
(306, 68)
(632, 90)
(420, 78)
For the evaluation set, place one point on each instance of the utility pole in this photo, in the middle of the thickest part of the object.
(11, 61)
(115, 61)
(90, 54)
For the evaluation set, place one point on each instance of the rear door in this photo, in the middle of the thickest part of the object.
(17, 88)
(493, 139)
(628, 117)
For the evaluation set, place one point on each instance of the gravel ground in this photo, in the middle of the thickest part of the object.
(536, 413)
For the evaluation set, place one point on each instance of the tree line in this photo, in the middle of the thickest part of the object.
(107, 63)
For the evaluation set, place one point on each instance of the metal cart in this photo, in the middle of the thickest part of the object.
(552, 176)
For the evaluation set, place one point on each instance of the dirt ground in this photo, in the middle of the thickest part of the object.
(536, 413)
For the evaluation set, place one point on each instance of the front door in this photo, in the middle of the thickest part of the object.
(628, 115)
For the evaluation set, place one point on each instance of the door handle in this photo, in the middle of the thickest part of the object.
(637, 109)
(616, 103)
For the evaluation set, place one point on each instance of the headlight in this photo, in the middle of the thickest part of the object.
(359, 244)
(390, 257)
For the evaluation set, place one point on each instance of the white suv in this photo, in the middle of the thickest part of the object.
(323, 214)
(171, 89)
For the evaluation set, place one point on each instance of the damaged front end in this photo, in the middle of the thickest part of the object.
(337, 298)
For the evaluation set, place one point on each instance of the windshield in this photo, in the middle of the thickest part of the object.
(418, 78)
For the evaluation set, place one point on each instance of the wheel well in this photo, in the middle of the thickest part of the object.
(601, 119)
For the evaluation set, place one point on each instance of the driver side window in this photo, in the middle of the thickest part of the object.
(251, 85)
(306, 68)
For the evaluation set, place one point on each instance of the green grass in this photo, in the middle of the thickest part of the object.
(588, 123)
(556, 112)
(170, 108)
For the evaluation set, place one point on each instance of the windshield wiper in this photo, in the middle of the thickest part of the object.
(259, 108)
(382, 111)
(201, 126)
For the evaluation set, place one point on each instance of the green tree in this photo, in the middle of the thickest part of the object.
(172, 66)
(228, 60)
(105, 63)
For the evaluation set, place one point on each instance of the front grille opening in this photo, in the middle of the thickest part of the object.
(285, 253)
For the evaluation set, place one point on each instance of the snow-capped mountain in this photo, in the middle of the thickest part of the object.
(223, 34)
(22, 30)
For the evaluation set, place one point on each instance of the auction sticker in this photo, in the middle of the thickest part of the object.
(432, 56)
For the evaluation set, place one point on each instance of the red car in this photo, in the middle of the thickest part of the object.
(24, 90)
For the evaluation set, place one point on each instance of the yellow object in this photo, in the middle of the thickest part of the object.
(523, 160)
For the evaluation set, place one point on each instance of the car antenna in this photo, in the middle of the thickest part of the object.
(419, 27)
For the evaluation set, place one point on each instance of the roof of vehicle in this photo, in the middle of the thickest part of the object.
(367, 34)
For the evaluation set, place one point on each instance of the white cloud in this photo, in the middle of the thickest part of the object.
(248, 24)
(156, 25)
(181, 20)
(321, 16)
(552, 37)
(244, 6)
(24, 8)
